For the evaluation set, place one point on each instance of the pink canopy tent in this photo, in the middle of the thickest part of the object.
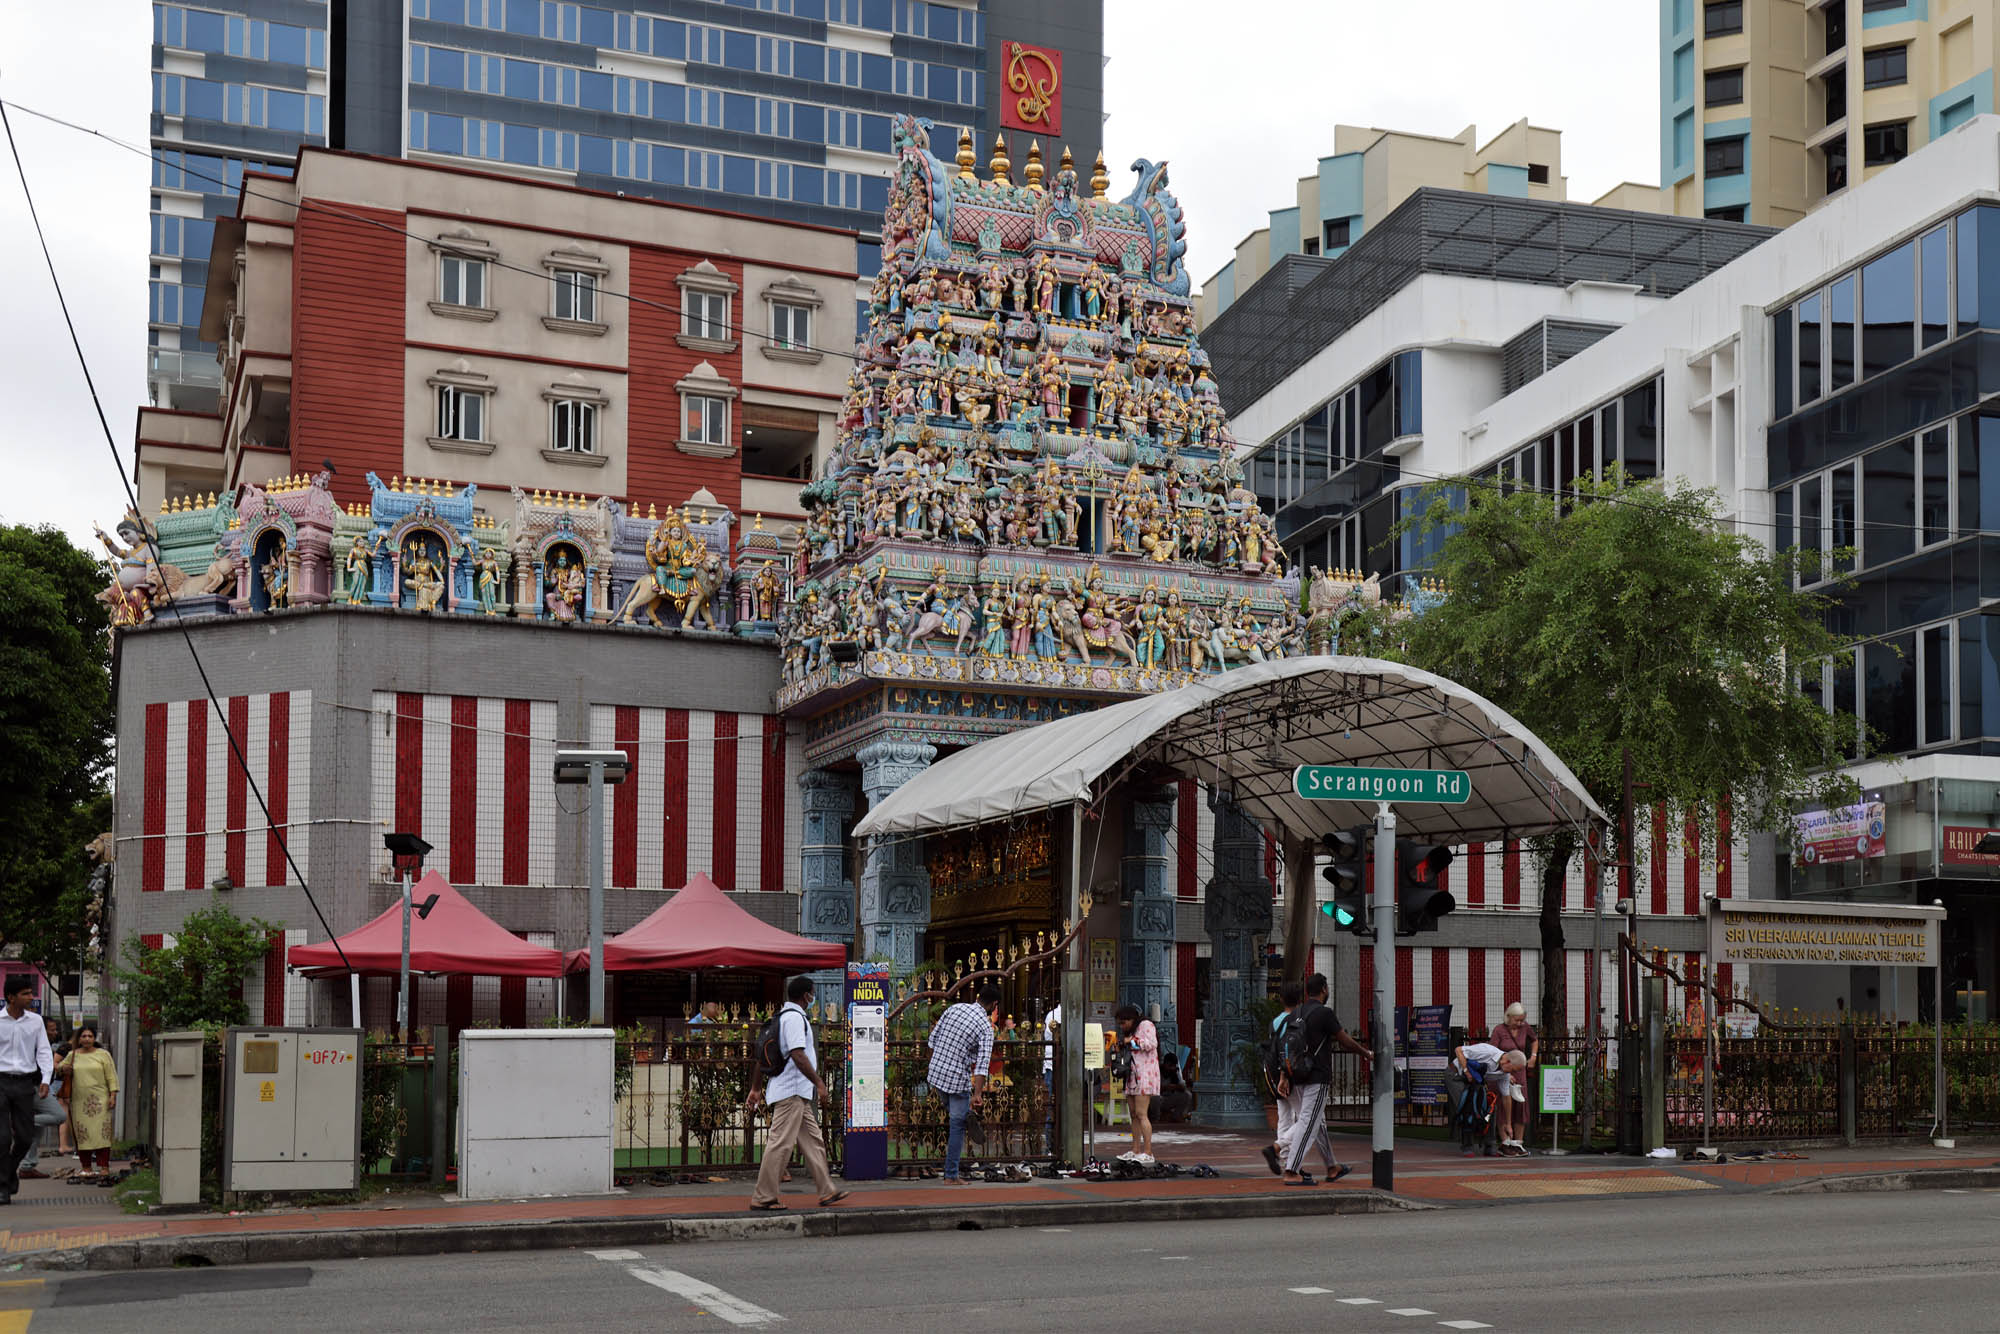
(455, 938)
(701, 927)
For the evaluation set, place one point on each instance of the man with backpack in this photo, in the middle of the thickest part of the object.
(1309, 1042)
(787, 1061)
(1289, 995)
(961, 1058)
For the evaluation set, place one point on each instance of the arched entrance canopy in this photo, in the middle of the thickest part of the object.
(1246, 730)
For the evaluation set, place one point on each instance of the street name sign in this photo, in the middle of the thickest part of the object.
(1336, 782)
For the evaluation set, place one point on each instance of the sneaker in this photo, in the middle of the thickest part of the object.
(1128, 1156)
(1143, 1159)
(33, 1174)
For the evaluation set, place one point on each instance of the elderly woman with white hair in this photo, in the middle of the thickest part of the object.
(1516, 1034)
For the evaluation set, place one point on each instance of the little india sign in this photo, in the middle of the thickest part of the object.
(1334, 782)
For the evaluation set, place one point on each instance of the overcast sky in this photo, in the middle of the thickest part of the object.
(1240, 109)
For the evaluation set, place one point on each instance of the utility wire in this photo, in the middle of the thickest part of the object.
(152, 542)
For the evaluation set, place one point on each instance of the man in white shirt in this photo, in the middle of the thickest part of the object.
(26, 1067)
(1482, 1061)
(793, 1094)
(1051, 1044)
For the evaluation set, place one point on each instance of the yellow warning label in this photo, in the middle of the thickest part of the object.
(267, 1091)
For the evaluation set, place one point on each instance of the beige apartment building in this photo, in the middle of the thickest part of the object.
(1371, 171)
(1770, 107)
(433, 321)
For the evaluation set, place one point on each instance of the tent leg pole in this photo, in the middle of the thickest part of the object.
(597, 894)
(354, 996)
(1074, 1086)
(403, 985)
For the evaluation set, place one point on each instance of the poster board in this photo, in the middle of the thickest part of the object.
(1558, 1090)
(865, 1155)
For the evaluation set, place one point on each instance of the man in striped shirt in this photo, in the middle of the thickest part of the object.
(961, 1056)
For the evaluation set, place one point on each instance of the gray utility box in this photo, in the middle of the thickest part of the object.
(291, 1109)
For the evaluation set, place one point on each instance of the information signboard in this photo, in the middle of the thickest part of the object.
(865, 1155)
(1558, 1091)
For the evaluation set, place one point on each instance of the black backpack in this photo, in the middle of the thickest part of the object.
(1305, 1064)
(772, 1058)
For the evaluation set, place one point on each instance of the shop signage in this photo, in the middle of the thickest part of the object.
(1959, 842)
(1793, 932)
(1032, 99)
(1843, 833)
(1339, 782)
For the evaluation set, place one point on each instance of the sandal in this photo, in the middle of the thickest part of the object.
(772, 1208)
(828, 1201)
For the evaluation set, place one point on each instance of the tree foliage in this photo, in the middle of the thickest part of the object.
(197, 981)
(56, 716)
(1631, 615)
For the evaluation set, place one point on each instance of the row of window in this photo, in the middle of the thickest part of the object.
(527, 80)
(173, 303)
(1355, 424)
(1900, 303)
(732, 49)
(240, 104)
(641, 160)
(1622, 432)
(561, 21)
(174, 237)
(463, 414)
(207, 173)
(233, 35)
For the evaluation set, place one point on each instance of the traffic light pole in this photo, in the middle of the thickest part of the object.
(1384, 1101)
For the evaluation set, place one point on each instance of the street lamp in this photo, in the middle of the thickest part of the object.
(409, 852)
(597, 768)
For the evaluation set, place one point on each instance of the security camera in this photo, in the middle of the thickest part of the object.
(1625, 908)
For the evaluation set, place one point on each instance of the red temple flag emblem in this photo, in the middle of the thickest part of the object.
(1032, 100)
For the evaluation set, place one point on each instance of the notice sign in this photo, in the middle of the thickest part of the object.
(1763, 931)
(1843, 833)
(1424, 1036)
(1558, 1091)
(866, 1143)
(1093, 1046)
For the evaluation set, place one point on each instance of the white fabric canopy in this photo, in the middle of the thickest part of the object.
(1246, 730)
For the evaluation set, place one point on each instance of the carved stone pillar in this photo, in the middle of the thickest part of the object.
(895, 900)
(1147, 978)
(1237, 916)
(826, 901)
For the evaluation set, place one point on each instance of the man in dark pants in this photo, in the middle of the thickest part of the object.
(26, 1067)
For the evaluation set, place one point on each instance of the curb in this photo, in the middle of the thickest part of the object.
(1924, 1178)
(384, 1242)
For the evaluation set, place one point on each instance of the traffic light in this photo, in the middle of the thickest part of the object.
(1348, 874)
(1420, 896)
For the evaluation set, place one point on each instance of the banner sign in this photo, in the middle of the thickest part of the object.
(866, 1142)
(1843, 833)
(1959, 841)
(1423, 1042)
(1558, 1092)
(1749, 931)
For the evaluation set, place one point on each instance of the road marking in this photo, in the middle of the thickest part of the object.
(1359, 1301)
(615, 1255)
(1312, 1292)
(1052, 1229)
(1410, 1310)
(1958, 1192)
(707, 1296)
(15, 1322)
(1463, 1324)
(1177, 1257)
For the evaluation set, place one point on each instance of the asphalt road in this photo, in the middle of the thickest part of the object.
(1911, 1261)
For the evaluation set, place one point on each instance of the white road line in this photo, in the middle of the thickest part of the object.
(1410, 1310)
(1463, 1324)
(710, 1298)
(1052, 1229)
(614, 1255)
(1177, 1257)
(1358, 1301)
(1312, 1292)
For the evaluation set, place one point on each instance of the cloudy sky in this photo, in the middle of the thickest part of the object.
(1240, 110)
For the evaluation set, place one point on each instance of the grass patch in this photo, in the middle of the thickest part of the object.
(138, 1190)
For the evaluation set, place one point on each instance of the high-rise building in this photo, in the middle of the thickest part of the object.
(1769, 107)
(779, 108)
(1372, 171)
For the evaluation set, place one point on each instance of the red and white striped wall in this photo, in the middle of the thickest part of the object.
(710, 793)
(471, 775)
(199, 817)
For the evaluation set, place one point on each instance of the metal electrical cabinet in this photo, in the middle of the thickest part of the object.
(291, 1102)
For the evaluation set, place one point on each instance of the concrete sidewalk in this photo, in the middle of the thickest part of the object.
(53, 1224)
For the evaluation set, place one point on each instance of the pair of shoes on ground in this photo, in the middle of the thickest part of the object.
(1143, 1159)
(777, 1206)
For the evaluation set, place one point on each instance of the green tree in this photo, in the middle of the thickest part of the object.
(55, 712)
(1631, 615)
(198, 980)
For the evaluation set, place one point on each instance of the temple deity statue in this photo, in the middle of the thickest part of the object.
(277, 578)
(490, 584)
(360, 568)
(1150, 628)
(421, 576)
(565, 584)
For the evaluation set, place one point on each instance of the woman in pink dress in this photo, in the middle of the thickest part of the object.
(1142, 1085)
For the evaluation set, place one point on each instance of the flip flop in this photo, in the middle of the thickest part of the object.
(1339, 1172)
(828, 1201)
(768, 1208)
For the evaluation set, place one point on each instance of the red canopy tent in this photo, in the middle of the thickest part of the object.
(455, 938)
(702, 927)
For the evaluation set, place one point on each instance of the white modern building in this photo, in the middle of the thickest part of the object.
(1833, 382)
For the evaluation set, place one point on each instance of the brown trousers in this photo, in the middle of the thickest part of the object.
(794, 1122)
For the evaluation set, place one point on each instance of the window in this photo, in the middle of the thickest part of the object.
(706, 420)
(1722, 87)
(573, 426)
(1934, 286)
(1719, 18)
(791, 326)
(1934, 684)
(1538, 173)
(1840, 341)
(1881, 6)
(1335, 233)
(1723, 157)
(1885, 66)
(1889, 499)
(707, 315)
(1888, 310)
(461, 413)
(1834, 88)
(1835, 17)
(1836, 164)
(575, 296)
(461, 281)
(1734, 213)
(1311, 245)
(1883, 144)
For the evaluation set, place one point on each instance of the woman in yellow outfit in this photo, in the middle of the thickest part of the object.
(90, 1088)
